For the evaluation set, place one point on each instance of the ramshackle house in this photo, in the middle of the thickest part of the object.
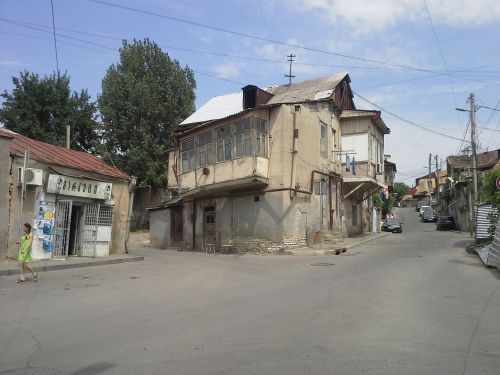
(76, 203)
(262, 170)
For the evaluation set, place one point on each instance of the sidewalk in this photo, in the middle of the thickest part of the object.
(336, 249)
(11, 267)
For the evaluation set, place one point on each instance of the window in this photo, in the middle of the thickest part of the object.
(224, 144)
(205, 149)
(105, 218)
(260, 138)
(323, 143)
(320, 187)
(243, 138)
(187, 155)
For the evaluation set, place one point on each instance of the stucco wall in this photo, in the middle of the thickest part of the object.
(4, 195)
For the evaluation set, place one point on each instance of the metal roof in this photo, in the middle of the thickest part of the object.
(484, 160)
(216, 108)
(226, 105)
(60, 156)
(310, 90)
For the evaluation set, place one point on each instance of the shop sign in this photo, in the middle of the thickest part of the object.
(79, 187)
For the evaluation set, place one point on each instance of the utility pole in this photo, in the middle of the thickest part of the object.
(429, 181)
(438, 174)
(289, 75)
(474, 145)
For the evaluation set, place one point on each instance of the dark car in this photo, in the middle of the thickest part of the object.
(429, 216)
(446, 222)
(392, 225)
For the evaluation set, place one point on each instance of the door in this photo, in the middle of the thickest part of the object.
(62, 227)
(176, 225)
(89, 230)
(209, 226)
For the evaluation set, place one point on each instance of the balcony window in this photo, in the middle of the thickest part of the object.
(260, 138)
(187, 155)
(323, 142)
(243, 138)
(205, 149)
(224, 144)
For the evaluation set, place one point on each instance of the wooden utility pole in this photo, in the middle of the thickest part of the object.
(429, 181)
(438, 174)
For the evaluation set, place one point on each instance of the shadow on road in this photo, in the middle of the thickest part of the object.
(94, 369)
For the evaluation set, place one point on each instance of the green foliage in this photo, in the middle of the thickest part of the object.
(388, 205)
(40, 108)
(400, 189)
(376, 200)
(144, 97)
(489, 191)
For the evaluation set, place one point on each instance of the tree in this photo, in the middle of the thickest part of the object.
(400, 189)
(489, 190)
(40, 108)
(144, 97)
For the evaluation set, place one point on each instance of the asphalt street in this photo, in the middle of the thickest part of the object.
(410, 303)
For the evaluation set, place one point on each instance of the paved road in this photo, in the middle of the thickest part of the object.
(411, 303)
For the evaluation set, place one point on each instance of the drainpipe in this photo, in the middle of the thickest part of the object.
(294, 151)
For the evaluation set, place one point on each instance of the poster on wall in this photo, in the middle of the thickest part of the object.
(44, 226)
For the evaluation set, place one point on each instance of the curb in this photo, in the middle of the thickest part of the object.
(339, 250)
(56, 267)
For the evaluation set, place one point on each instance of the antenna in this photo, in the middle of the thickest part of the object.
(290, 60)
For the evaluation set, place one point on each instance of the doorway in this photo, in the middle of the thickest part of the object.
(176, 225)
(209, 226)
(74, 230)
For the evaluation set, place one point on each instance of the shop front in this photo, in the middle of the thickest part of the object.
(74, 218)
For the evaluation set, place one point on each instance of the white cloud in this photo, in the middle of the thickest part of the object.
(227, 70)
(372, 16)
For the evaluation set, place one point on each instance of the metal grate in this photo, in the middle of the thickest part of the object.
(61, 228)
(89, 230)
(105, 216)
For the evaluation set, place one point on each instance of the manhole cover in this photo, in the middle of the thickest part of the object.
(323, 264)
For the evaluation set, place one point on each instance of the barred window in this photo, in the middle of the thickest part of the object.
(105, 218)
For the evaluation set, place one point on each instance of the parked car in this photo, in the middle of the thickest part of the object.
(424, 208)
(445, 222)
(392, 225)
(419, 205)
(429, 216)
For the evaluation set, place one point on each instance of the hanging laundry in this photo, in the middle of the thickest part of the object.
(353, 166)
(347, 163)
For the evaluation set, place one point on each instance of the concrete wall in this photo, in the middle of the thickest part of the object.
(350, 228)
(34, 194)
(5, 165)
(159, 228)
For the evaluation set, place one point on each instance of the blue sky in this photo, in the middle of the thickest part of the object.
(394, 33)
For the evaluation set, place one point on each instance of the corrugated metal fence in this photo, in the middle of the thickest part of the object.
(494, 253)
(483, 223)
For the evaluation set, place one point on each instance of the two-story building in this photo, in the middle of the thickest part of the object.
(262, 170)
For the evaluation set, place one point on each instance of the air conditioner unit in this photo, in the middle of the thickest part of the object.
(33, 176)
(379, 168)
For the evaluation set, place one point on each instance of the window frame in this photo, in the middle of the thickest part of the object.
(189, 152)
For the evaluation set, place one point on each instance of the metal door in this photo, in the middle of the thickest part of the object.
(176, 225)
(62, 227)
(89, 230)
(209, 226)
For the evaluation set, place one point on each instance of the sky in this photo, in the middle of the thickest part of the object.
(417, 60)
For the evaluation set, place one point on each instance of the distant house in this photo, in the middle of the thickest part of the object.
(389, 174)
(77, 204)
(460, 171)
(265, 169)
(426, 186)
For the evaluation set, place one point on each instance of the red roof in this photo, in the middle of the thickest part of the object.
(61, 156)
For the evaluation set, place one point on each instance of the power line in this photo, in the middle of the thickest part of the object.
(405, 120)
(249, 36)
(54, 33)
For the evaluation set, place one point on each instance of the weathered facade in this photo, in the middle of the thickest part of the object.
(260, 170)
(76, 203)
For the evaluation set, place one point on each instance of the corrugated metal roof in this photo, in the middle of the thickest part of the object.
(310, 90)
(226, 105)
(216, 108)
(484, 160)
(61, 156)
